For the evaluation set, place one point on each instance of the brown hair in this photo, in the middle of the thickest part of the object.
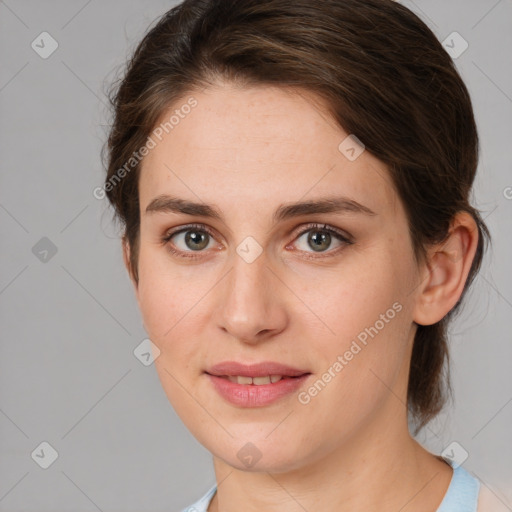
(383, 74)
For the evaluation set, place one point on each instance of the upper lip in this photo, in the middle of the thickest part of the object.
(263, 369)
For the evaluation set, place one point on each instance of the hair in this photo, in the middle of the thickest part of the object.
(384, 77)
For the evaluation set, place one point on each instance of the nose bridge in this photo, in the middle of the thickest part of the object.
(249, 304)
(247, 284)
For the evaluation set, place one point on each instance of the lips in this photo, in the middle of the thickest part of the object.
(255, 385)
(268, 369)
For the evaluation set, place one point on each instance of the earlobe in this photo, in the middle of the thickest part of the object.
(446, 272)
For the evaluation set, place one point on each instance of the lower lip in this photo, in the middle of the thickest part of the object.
(251, 395)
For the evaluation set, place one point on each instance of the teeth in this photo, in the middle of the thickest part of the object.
(238, 379)
(261, 380)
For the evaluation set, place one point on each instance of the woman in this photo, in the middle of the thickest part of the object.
(293, 181)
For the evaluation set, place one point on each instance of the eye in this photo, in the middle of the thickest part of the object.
(195, 238)
(320, 238)
(188, 239)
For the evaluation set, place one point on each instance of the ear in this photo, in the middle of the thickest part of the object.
(444, 274)
(128, 265)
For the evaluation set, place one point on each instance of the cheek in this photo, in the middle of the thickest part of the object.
(162, 298)
(158, 306)
(159, 279)
(356, 369)
(169, 321)
(351, 297)
(362, 328)
(172, 304)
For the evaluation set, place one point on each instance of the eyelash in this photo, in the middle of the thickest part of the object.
(201, 227)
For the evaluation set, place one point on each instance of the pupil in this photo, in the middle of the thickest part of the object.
(196, 238)
(324, 238)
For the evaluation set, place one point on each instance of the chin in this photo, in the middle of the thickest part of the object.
(276, 456)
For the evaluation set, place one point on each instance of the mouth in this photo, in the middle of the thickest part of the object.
(255, 385)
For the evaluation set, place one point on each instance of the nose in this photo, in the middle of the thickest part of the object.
(251, 301)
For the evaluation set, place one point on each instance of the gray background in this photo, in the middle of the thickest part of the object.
(69, 320)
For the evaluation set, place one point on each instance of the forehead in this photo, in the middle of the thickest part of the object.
(259, 145)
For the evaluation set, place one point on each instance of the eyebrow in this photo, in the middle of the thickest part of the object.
(169, 204)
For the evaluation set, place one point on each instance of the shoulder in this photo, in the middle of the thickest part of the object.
(488, 501)
(472, 494)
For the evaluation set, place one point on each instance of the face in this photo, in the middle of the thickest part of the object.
(323, 288)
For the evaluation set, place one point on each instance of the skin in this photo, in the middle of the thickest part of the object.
(247, 151)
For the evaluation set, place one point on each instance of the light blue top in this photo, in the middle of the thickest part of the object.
(461, 496)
